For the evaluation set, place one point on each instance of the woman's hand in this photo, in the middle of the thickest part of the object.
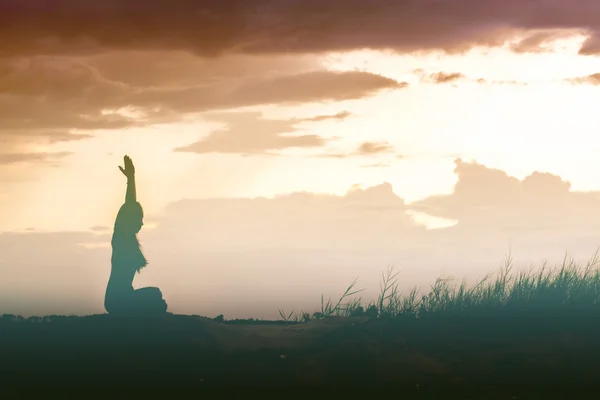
(129, 170)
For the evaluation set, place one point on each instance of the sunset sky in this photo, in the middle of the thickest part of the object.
(283, 148)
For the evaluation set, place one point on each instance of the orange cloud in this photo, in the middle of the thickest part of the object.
(47, 98)
(489, 197)
(249, 133)
(443, 77)
(366, 149)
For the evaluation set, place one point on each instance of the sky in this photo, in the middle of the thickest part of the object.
(284, 148)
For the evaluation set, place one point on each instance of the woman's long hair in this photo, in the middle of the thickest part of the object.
(125, 244)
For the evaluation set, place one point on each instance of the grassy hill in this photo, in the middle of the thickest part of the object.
(519, 336)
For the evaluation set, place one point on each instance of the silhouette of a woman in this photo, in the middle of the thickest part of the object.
(127, 259)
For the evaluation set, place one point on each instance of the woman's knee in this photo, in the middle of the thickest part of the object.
(150, 299)
(163, 305)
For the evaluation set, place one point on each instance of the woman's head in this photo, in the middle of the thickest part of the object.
(130, 218)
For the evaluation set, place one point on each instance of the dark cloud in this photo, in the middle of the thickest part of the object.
(537, 41)
(145, 69)
(489, 197)
(249, 133)
(14, 158)
(215, 27)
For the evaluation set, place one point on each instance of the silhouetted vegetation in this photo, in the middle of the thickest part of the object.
(567, 287)
(505, 335)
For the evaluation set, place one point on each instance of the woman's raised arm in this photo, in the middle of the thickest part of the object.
(129, 172)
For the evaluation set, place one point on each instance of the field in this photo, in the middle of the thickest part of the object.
(533, 334)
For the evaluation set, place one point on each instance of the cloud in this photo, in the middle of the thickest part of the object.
(339, 116)
(172, 69)
(593, 79)
(365, 149)
(14, 158)
(297, 220)
(591, 46)
(47, 98)
(538, 41)
(249, 133)
(313, 86)
(374, 148)
(99, 228)
(376, 165)
(217, 27)
(57, 99)
(444, 77)
(489, 197)
(450, 77)
(51, 97)
(57, 136)
(501, 82)
(52, 272)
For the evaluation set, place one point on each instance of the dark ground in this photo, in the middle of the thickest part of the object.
(538, 354)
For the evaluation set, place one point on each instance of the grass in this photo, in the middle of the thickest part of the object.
(512, 328)
(567, 286)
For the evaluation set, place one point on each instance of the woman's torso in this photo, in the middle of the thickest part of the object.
(125, 261)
